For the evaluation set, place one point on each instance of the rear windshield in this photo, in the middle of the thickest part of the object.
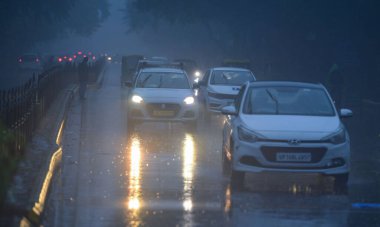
(238, 78)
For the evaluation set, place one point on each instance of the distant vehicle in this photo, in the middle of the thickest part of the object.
(30, 61)
(162, 94)
(285, 127)
(191, 67)
(220, 86)
(129, 67)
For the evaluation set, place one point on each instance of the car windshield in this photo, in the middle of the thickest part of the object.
(162, 80)
(285, 100)
(221, 77)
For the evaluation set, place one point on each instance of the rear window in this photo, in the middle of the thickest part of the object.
(235, 78)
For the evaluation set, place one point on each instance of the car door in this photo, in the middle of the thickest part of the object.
(203, 87)
(229, 122)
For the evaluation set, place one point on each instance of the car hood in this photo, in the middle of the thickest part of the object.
(292, 127)
(220, 89)
(162, 94)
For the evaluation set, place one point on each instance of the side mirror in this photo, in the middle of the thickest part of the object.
(229, 110)
(128, 83)
(345, 113)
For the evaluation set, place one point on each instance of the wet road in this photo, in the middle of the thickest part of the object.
(162, 175)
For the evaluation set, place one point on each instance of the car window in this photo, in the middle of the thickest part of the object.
(239, 97)
(205, 77)
(221, 77)
(288, 101)
(162, 80)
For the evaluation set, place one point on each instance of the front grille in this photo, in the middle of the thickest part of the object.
(171, 109)
(221, 96)
(317, 153)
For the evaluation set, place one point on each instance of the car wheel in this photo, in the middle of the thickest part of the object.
(341, 180)
(237, 179)
(226, 164)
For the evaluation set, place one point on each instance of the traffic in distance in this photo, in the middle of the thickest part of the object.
(269, 126)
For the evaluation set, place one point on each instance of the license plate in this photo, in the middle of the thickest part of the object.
(163, 113)
(293, 157)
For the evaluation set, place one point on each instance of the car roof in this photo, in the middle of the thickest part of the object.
(162, 69)
(231, 69)
(285, 83)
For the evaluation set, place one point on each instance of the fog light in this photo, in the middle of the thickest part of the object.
(335, 162)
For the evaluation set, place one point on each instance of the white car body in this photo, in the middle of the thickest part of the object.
(216, 96)
(285, 143)
(162, 104)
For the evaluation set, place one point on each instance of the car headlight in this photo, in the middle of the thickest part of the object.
(189, 100)
(197, 74)
(248, 135)
(337, 137)
(136, 99)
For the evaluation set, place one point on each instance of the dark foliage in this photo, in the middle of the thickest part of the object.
(297, 38)
(24, 23)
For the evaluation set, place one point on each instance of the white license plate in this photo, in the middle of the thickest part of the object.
(163, 113)
(293, 157)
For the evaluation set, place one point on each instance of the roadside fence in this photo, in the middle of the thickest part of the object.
(22, 107)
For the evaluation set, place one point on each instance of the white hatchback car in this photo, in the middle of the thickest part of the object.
(285, 127)
(219, 87)
(162, 94)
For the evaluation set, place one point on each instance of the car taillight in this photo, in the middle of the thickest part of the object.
(59, 59)
(93, 58)
(74, 56)
(79, 52)
(70, 59)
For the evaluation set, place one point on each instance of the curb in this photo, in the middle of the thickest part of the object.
(41, 188)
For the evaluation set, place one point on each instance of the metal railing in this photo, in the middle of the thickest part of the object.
(22, 107)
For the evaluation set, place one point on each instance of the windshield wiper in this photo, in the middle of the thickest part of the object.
(273, 98)
(145, 80)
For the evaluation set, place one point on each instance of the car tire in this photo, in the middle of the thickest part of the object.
(341, 180)
(237, 179)
(226, 165)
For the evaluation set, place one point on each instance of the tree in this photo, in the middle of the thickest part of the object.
(24, 23)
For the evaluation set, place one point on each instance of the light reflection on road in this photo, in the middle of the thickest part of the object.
(188, 171)
(134, 189)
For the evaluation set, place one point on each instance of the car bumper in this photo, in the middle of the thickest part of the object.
(215, 105)
(153, 113)
(252, 157)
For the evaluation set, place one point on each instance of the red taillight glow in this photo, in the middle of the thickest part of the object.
(59, 59)
(65, 57)
(70, 59)
(84, 55)
(79, 52)
(74, 56)
(93, 57)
